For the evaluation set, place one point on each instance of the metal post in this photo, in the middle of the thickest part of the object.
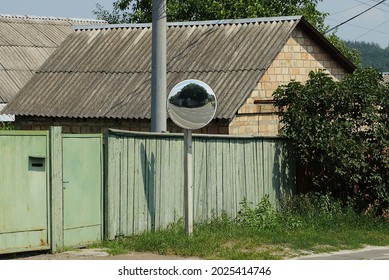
(158, 65)
(188, 181)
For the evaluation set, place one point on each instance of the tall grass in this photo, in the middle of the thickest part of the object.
(304, 224)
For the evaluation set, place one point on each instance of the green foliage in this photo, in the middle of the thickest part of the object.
(323, 211)
(262, 216)
(140, 11)
(191, 10)
(352, 53)
(6, 126)
(372, 55)
(318, 223)
(340, 132)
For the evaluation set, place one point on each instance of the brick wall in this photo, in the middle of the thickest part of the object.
(91, 125)
(299, 56)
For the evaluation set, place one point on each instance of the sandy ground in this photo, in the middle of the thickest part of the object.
(367, 253)
(95, 254)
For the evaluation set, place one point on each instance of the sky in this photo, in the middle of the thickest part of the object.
(372, 26)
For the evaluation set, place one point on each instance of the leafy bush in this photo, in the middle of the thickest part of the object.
(303, 211)
(262, 216)
(340, 133)
(6, 126)
(308, 222)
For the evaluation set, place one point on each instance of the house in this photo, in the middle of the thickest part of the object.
(25, 43)
(100, 77)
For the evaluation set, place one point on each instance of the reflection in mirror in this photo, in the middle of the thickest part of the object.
(191, 104)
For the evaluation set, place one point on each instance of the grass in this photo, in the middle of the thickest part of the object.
(261, 233)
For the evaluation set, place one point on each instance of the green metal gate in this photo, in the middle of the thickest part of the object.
(82, 188)
(51, 190)
(24, 191)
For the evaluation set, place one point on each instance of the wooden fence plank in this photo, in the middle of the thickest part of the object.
(219, 177)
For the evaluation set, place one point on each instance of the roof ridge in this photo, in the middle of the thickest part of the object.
(192, 23)
(218, 70)
(33, 17)
(143, 72)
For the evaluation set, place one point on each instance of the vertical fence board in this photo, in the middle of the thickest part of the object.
(123, 165)
(200, 179)
(271, 173)
(129, 214)
(166, 184)
(211, 163)
(137, 187)
(249, 172)
(241, 184)
(150, 181)
(227, 179)
(113, 188)
(219, 177)
(176, 177)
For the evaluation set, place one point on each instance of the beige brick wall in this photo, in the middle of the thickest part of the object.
(298, 57)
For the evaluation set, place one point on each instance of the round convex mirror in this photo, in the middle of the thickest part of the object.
(191, 104)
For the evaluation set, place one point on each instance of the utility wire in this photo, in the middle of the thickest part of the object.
(354, 16)
(362, 27)
(370, 30)
(385, 4)
(351, 8)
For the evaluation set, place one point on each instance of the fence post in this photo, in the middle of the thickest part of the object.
(57, 226)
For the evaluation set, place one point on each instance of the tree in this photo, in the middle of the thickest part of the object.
(340, 132)
(140, 11)
(351, 53)
(373, 55)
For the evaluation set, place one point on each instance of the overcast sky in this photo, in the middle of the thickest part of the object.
(372, 26)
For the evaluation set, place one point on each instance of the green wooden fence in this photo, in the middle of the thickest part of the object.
(144, 177)
(49, 182)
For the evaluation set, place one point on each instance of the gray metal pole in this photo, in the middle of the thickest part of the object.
(158, 65)
(188, 181)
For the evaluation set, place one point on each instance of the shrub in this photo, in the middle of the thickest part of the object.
(262, 216)
(6, 126)
(340, 132)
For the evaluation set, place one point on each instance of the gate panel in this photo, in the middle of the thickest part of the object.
(24, 214)
(82, 183)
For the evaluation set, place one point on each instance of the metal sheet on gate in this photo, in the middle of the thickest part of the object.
(82, 176)
(24, 211)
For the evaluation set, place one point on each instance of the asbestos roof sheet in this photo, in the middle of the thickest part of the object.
(106, 71)
(25, 43)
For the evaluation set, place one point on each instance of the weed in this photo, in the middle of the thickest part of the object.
(305, 223)
(262, 216)
(6, 126)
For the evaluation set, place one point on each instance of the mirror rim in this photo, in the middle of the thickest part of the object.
(177, 88)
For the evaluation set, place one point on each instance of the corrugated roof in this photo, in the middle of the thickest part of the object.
(25, 43)
(106, 71)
